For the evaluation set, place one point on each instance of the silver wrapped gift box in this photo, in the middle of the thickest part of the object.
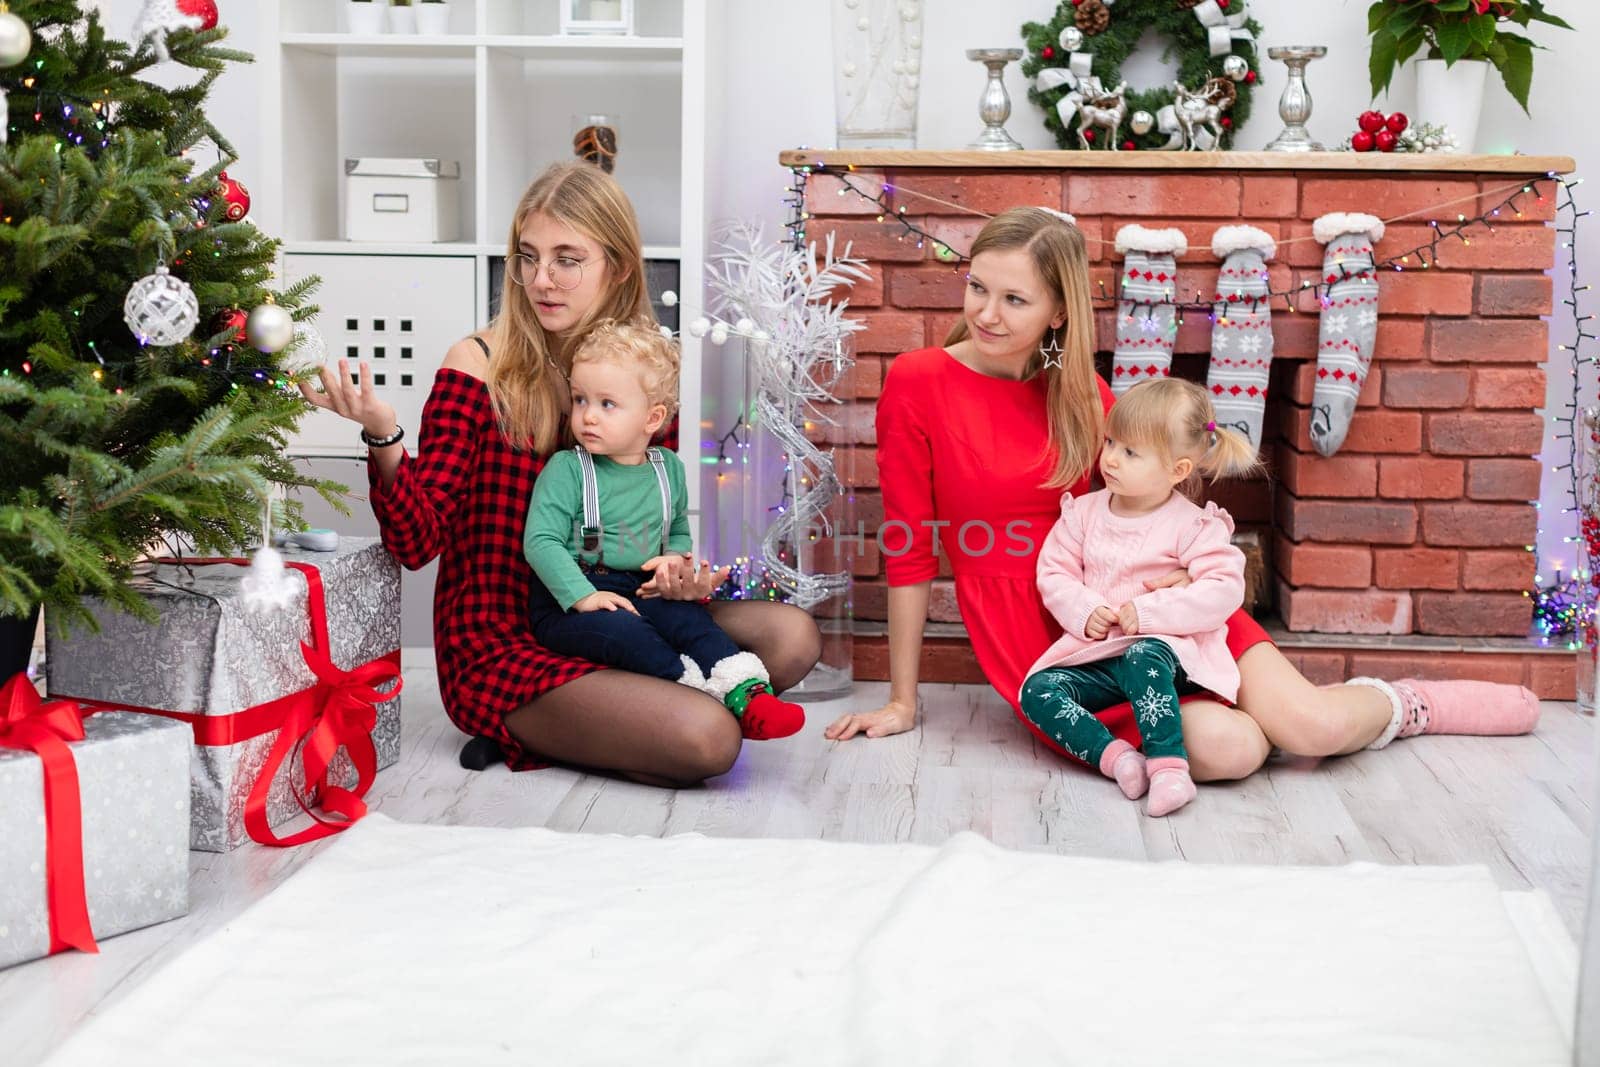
(133, 793)
(208, 654)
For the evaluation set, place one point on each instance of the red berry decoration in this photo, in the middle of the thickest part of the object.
(1129, 146)
(1088, 135)
(1250, 76)
(1361, 141)
(1371, 121)
(1048, 52)
(1397, 123)
(1226, 122)
(1385, 140)
(236, 195)
(206, 9)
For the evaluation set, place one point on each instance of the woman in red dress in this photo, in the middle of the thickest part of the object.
(496, 410)
(977, 441)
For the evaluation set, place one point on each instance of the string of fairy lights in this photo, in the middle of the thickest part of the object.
(1564, 608)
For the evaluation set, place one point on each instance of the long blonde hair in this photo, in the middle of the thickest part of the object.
(1061, 257)
(1176, 418)
(527, 368)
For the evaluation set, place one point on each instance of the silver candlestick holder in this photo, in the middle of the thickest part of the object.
(994, 106)
(1295, 104)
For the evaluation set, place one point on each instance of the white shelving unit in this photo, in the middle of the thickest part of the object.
(498, 94)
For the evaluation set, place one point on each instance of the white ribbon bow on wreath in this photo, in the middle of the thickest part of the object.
(1078, 66)
(1222, 30)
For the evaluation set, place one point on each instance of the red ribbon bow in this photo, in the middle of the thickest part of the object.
(32, 725)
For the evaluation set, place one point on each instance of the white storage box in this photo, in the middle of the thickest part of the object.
(400, 200)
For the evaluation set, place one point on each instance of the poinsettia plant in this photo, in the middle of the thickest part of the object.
(1454, 30)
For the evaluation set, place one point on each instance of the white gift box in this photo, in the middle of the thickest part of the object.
(402, 200)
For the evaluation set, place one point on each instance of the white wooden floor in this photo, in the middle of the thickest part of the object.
(1523, 807)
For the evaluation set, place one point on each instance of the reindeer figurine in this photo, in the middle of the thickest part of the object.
(1100, 108)
(1198, 108)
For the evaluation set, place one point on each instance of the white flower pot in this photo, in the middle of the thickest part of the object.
(433, 20)
(1452, 96)
(365, 18)
(402, 19)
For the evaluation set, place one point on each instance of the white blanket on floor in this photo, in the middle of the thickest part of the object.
(438, 945)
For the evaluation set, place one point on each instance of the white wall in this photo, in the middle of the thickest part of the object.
(772, 90)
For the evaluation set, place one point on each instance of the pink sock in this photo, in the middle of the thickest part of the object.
(1170, 785)
(1121, 762)
(1464, 707)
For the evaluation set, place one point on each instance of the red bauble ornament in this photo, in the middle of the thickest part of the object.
(1361, 141)
(1048, 52)
(1226, 122)
(206, 9)
(1397, 123)
(236, 195)
(233, 319)
(1371, 121)
(1250, 76)
(1088, 135)
(1129, 146)
(1385, 140)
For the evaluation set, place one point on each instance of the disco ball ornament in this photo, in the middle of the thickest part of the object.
(1142, 122)
(269, 328)
(1071, 39)
(1236, 67)
(161, 309)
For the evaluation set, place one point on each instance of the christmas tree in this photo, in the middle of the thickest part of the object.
(124, 427)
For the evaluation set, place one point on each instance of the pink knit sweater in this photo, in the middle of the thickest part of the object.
(1093, 557)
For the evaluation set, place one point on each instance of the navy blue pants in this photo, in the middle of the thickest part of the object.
(647, 643)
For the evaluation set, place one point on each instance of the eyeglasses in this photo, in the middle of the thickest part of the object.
(565, 272)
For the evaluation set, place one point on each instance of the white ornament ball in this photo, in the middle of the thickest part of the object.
(863, 23)
(1071, 39)
(744, 325)
(666, 331)
(669, 299)
(719, 334)
(1236, 67)
(1142, 122)
(308, 351)
(699, 327)
(161, 309)
(15, 40)
(761, 335)
(269, 328)
(914, 41)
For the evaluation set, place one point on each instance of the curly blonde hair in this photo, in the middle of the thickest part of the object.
(641, 349)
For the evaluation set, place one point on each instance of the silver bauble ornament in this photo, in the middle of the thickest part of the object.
(1236, 67)
(1141, 122)
(1071, 39)
(308, 352)
(269, 328)
(161, 309)
(15, 40)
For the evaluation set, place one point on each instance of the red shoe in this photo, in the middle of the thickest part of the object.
(766, 718)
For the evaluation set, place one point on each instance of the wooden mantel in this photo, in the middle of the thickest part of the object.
(1367, 163)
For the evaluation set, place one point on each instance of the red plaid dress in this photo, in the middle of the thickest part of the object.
(463, 499)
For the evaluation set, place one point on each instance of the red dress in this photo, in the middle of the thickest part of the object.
(970, 453)
(463, 499)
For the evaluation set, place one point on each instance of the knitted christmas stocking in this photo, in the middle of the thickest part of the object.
(1241, 338)
(1349, 323)
(1146, 315)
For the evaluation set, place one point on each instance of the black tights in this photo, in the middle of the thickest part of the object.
(660, 732)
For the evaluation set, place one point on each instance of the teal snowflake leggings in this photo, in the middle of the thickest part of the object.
(1062, 701)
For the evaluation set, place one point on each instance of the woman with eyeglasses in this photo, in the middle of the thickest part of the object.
(497, 411)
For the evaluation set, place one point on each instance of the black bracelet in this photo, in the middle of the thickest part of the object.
(384, 442)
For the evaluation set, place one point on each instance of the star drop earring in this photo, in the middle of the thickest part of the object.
(1052, 351)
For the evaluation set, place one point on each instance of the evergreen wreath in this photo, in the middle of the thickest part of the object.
(1186, 37)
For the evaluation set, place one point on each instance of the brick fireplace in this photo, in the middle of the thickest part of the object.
(1406, 550)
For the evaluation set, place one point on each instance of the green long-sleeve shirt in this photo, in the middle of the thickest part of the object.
(630, 512)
